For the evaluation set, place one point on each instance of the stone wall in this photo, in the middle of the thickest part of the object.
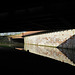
(65, 39)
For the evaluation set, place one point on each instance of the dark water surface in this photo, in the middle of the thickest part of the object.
(60, 54)
(37, 59)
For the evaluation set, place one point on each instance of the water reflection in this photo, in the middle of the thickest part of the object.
(20, 48)
(70, 53)
(18, 45)
(62, 55)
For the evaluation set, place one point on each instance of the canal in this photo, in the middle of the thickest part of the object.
(19, 56)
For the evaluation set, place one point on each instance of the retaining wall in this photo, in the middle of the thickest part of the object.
(64, 39)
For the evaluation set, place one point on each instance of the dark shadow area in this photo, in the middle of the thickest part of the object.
(37, 16)
(69, 43)
(18, 40)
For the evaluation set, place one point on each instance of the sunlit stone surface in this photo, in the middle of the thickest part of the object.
(64, 39)
(54, 53)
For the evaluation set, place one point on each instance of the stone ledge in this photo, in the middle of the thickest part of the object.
(63, 39)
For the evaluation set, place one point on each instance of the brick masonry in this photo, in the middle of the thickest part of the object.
(64, 39)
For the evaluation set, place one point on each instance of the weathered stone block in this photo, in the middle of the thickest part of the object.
(65, 39)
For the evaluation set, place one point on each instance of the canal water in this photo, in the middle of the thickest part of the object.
(19, 56)
(60, 54)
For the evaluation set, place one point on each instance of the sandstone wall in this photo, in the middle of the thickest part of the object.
(65, 39)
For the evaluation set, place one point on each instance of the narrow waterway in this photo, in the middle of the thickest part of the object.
(60, 54)
(33, 58)
(63, 55)
(18, 56)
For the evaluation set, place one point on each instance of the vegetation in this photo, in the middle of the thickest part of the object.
(4, 40)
